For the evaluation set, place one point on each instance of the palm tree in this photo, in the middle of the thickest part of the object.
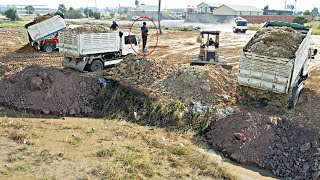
(159, 9)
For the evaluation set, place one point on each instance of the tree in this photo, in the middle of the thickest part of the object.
(265, 10)
(299, 13)
(112, 14)
(306, 12)
(97, 15)
(12, 14)
(136, 3)
(62, 8)
(71, 9)
(292, 7)
(29, 9)
(159, 18)
(300, 20)
(315, 12)
(75, 14)
(88, 12)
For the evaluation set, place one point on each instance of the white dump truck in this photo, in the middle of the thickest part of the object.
(276, 78)
(240, 25)
(93, 51)
(44, 35)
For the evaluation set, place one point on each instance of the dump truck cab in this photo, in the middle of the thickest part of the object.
(129, 44)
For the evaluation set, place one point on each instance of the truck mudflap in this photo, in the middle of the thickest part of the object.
(75, 63)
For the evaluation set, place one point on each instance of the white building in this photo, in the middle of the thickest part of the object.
(41, 9)
(207, 7)
(237, 10)
(144, 7)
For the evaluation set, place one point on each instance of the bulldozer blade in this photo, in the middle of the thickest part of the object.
(78, 65)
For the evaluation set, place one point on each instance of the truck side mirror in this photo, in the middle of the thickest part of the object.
(315, 52)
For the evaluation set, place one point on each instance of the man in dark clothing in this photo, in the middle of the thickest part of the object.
(144, 34)
(114, 26)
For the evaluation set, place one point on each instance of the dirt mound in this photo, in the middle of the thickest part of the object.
(26, 49)
(280, 42)
(89, 29)
(200, 83)
(49, 91)
(287, 150)
(138, 71)
(43, 18)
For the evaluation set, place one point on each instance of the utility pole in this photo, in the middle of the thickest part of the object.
(159, 10)
(285, 5)
(295, 7)
(95, 2)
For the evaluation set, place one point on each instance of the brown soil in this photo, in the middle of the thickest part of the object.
(88, 29)
(206, 84)
(286, 149)
(49, 91)
(280, 42)
(26, 49)
(42, 18)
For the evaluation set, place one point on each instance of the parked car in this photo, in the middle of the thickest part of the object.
(133, 18)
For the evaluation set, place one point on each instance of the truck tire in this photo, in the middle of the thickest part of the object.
(96, 65)
(48, 48)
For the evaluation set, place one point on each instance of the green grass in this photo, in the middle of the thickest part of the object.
(315, 27)
(13, 24)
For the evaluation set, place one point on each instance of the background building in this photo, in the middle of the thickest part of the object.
(207, 7)
(237, 10)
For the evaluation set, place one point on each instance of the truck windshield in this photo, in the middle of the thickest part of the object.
(132, 39)
(241, 23)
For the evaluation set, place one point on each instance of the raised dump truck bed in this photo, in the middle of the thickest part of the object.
(44, 29)
(277, 75)
(77, 45)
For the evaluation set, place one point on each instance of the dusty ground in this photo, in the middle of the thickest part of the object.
(174, 49)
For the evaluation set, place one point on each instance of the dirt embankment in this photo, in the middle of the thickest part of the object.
(49, 91)
(207, 84)
(280, 42)
(286, 149)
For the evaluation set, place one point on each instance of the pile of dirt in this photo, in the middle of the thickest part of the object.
(284, 148)
(3, 69)
(280, 42)
(26, 49)
(89, 29)
(49, 90)
(206, 84)
(43, 18)
(139, 72)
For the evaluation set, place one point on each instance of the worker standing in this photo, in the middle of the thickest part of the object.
(144, 34)
(114, 26)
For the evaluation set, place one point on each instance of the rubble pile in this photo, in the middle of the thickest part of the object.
(282, 42)
(206, 84)
(43, 18)
(284, 148)
(138, 72)
(49, 90)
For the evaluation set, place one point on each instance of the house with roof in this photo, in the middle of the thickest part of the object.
(237, 10)
(207, 7)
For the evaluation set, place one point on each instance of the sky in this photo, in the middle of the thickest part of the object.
(273, 4)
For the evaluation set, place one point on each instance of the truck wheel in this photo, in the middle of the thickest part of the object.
(96, 65)
(48, 48)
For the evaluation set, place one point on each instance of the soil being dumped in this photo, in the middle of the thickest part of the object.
(280, 42)
(26, 49)
(287, 150)
(89, 29)
(49, 91)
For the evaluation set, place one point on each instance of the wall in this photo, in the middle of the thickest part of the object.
(263, 19)
(151, 14)
(209, 18)
(203, 6)
(224, 10)
(248, 13)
